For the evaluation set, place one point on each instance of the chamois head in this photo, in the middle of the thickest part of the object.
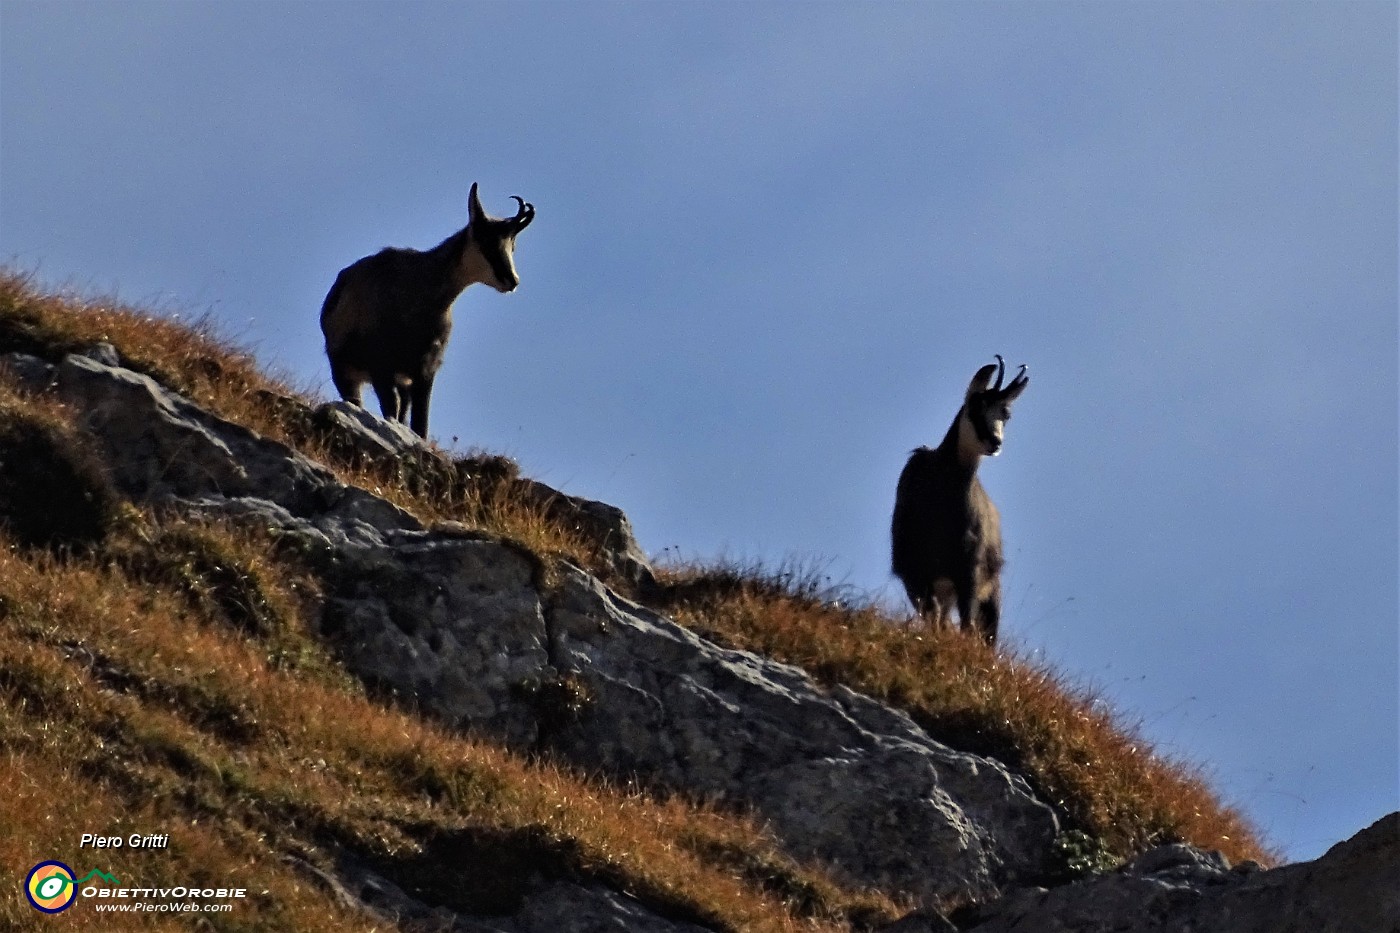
(494, 238)
(987, 407)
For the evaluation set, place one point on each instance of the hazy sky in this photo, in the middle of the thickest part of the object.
(774, 242)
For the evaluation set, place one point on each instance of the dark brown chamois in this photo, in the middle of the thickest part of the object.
(945, 537)
(387, 317)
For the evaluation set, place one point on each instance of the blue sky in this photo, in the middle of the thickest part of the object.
(774, 241)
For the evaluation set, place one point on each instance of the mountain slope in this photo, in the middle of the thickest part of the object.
(265, 628)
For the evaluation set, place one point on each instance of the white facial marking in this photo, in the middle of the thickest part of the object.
(996, 425)
(510, 259)
(993, 420)
(480, 269)
(508, 252)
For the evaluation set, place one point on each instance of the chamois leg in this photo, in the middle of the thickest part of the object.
(988, 609)
(941, 602)
(926, 605)
(422, 388)
(921, 601)
(988, 618)
(390, 398)
(346, 384)
(967, 603)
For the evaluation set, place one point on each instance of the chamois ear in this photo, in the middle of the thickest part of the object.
(1016, 386)
(474, 210)
(982, 381)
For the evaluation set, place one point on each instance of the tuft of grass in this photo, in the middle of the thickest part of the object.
(1101, 775)
(53, 490)
(219, 578)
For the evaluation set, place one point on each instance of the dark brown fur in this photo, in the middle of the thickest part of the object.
(945, 534)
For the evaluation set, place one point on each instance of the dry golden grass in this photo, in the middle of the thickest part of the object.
(49, 798)
(147, 708)
(1098, 772)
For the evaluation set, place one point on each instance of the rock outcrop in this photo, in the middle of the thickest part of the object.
(544, 906)
(1353, 888)
(480, 633)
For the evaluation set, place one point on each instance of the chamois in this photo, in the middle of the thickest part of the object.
(388, 316)
(945, 536)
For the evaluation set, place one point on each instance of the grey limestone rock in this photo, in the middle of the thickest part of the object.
(601, 522)
(1353, 888)
(376, 438)
(926, 920)
(547, 906)
(565, 907)
(29, 371)
(368, 433)
(104, 353)
(160, 446)
(840, 777)
(452, 625)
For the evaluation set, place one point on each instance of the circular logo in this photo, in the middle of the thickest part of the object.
(50, 887)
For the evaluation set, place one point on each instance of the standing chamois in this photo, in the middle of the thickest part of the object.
(945, 536)
(387, 317)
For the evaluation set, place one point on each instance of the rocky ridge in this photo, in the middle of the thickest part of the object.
(477, 632)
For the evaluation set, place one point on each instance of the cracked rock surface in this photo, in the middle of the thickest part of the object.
(1353, 888)
(545, 906)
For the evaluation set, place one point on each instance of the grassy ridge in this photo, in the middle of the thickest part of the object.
(166, 670)
(165, 681)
